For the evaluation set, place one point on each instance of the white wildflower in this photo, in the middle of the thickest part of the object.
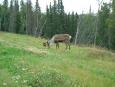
(24, 81)
(24, 69)
(18, 77)
(16, 81)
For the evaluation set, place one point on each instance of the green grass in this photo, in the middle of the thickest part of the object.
(24, 62)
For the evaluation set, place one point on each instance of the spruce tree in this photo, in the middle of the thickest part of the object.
(47, 28)
(111, 25)
(103, 27)
(0, 16)
(17, 17)
(22, 17)
(5, 16)
(37, 19)
(29, 18)
(61, 17)
(11, 19)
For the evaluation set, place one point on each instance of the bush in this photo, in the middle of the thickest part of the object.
(52, 78)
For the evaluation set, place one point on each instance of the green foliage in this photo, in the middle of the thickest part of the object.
(17, 15)
(103, 26)
(22, 17)
(38, 20)
(111, 27)
(29, 18)
(52, 78)
(5, 16)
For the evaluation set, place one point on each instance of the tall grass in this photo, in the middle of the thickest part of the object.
(24, 62)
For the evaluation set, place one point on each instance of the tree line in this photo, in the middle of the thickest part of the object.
(24, 18)
(89, 28)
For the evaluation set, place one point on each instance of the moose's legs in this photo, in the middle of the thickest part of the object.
(57, 45)
(67, 43)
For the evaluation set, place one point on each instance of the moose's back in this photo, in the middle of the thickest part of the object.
(60, 37)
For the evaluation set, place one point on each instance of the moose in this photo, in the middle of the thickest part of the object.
(59, 38)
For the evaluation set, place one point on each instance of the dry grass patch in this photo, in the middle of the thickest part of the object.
(37, 51)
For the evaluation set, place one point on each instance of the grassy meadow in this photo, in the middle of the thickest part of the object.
(24, 62)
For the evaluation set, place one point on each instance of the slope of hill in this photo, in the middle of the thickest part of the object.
(24, 62)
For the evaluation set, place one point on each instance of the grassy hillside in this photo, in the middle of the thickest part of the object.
(24, 62)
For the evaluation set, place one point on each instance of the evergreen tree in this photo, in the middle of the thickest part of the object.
(29, 18)
(103, 27)
(22, 17)
(61, 17)
(0, 16)
(51, 32)
(11, 19)
(17, 17)
(48, 27)
(37, 19)
(111, 25)
(55, 20)
(14, 25)
(5, 16)
(73, 24)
